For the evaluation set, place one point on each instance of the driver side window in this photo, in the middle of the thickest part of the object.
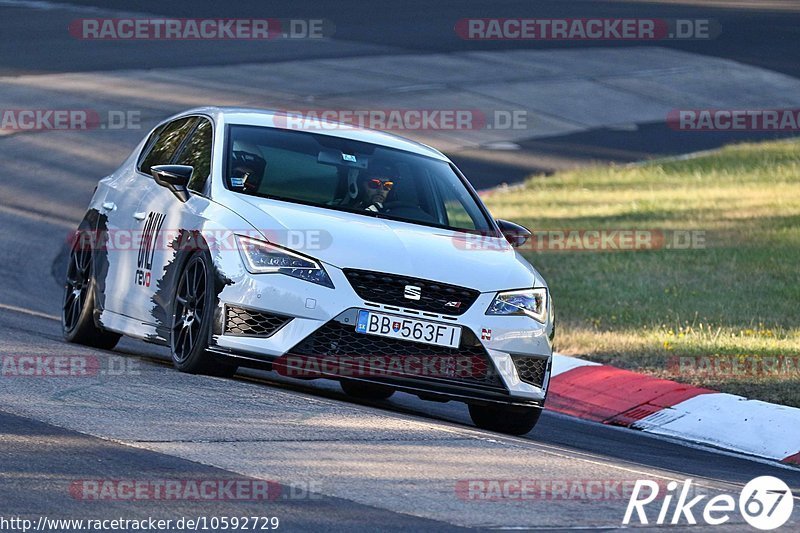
(196, 153)
(165, 141)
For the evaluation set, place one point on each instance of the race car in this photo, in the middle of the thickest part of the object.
(248, 238)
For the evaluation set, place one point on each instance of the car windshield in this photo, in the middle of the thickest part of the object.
(347, 175)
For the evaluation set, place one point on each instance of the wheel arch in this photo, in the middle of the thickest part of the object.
(186, 243)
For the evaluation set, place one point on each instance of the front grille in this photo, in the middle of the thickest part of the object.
(389, 289)
(249, 323)
(530, 369)
(339, 344)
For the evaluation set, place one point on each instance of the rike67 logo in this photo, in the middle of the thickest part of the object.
(765, 503)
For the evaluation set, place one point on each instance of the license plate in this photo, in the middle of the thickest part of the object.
(408, 329)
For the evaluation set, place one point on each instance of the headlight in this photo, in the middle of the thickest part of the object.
(262, 258)
(530, 302)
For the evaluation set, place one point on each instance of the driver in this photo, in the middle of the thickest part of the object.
(372, 192)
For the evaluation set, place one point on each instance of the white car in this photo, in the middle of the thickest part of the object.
(237, 238)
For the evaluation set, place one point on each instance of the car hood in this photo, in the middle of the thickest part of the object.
(350, 240)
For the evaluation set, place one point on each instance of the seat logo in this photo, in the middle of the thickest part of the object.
(412, 292)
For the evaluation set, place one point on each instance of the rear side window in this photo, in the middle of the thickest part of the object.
(196, 153)
(165, 142)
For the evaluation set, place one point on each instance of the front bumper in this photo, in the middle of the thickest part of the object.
(304, 309)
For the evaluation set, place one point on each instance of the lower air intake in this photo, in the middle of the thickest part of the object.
(249, 323)
(530, 369)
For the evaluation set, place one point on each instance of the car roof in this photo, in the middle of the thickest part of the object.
(278, 119)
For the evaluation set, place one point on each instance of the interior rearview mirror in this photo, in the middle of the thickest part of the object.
(339, 158)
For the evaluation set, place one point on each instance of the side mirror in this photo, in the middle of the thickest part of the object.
(514, 233)
(175, 178)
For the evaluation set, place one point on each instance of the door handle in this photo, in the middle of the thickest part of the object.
(140, 216)
(109, 206)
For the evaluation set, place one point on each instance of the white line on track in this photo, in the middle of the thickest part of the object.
(687, 443)
(38, 217)
(30, 312)
(50, 6)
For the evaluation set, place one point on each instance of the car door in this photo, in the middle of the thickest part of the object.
(165, 220)
(136, 231)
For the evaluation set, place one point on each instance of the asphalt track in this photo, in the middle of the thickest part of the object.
(763, 34)
(756, 36)
(50, 177)
(383, 466)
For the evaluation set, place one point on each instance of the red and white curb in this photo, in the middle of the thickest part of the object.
(619, 397)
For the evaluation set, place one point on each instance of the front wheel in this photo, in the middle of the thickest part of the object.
(509, 419)
(77, 310)
(192, 314)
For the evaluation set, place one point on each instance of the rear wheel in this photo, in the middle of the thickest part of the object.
(77, 310)
(192, 313)
(513, 420)
(366, 391)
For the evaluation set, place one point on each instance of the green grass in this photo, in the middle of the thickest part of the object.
(737, 296)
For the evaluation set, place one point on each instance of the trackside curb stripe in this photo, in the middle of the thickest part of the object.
(564, 363)
(610, 395)
(793, 459)
(732, 422)
(614, 396)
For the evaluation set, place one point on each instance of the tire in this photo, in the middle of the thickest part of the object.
(192, 314)
(366, 391)
(78, 304)
(504, 418)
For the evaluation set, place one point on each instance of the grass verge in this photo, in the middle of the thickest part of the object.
(713, 300)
